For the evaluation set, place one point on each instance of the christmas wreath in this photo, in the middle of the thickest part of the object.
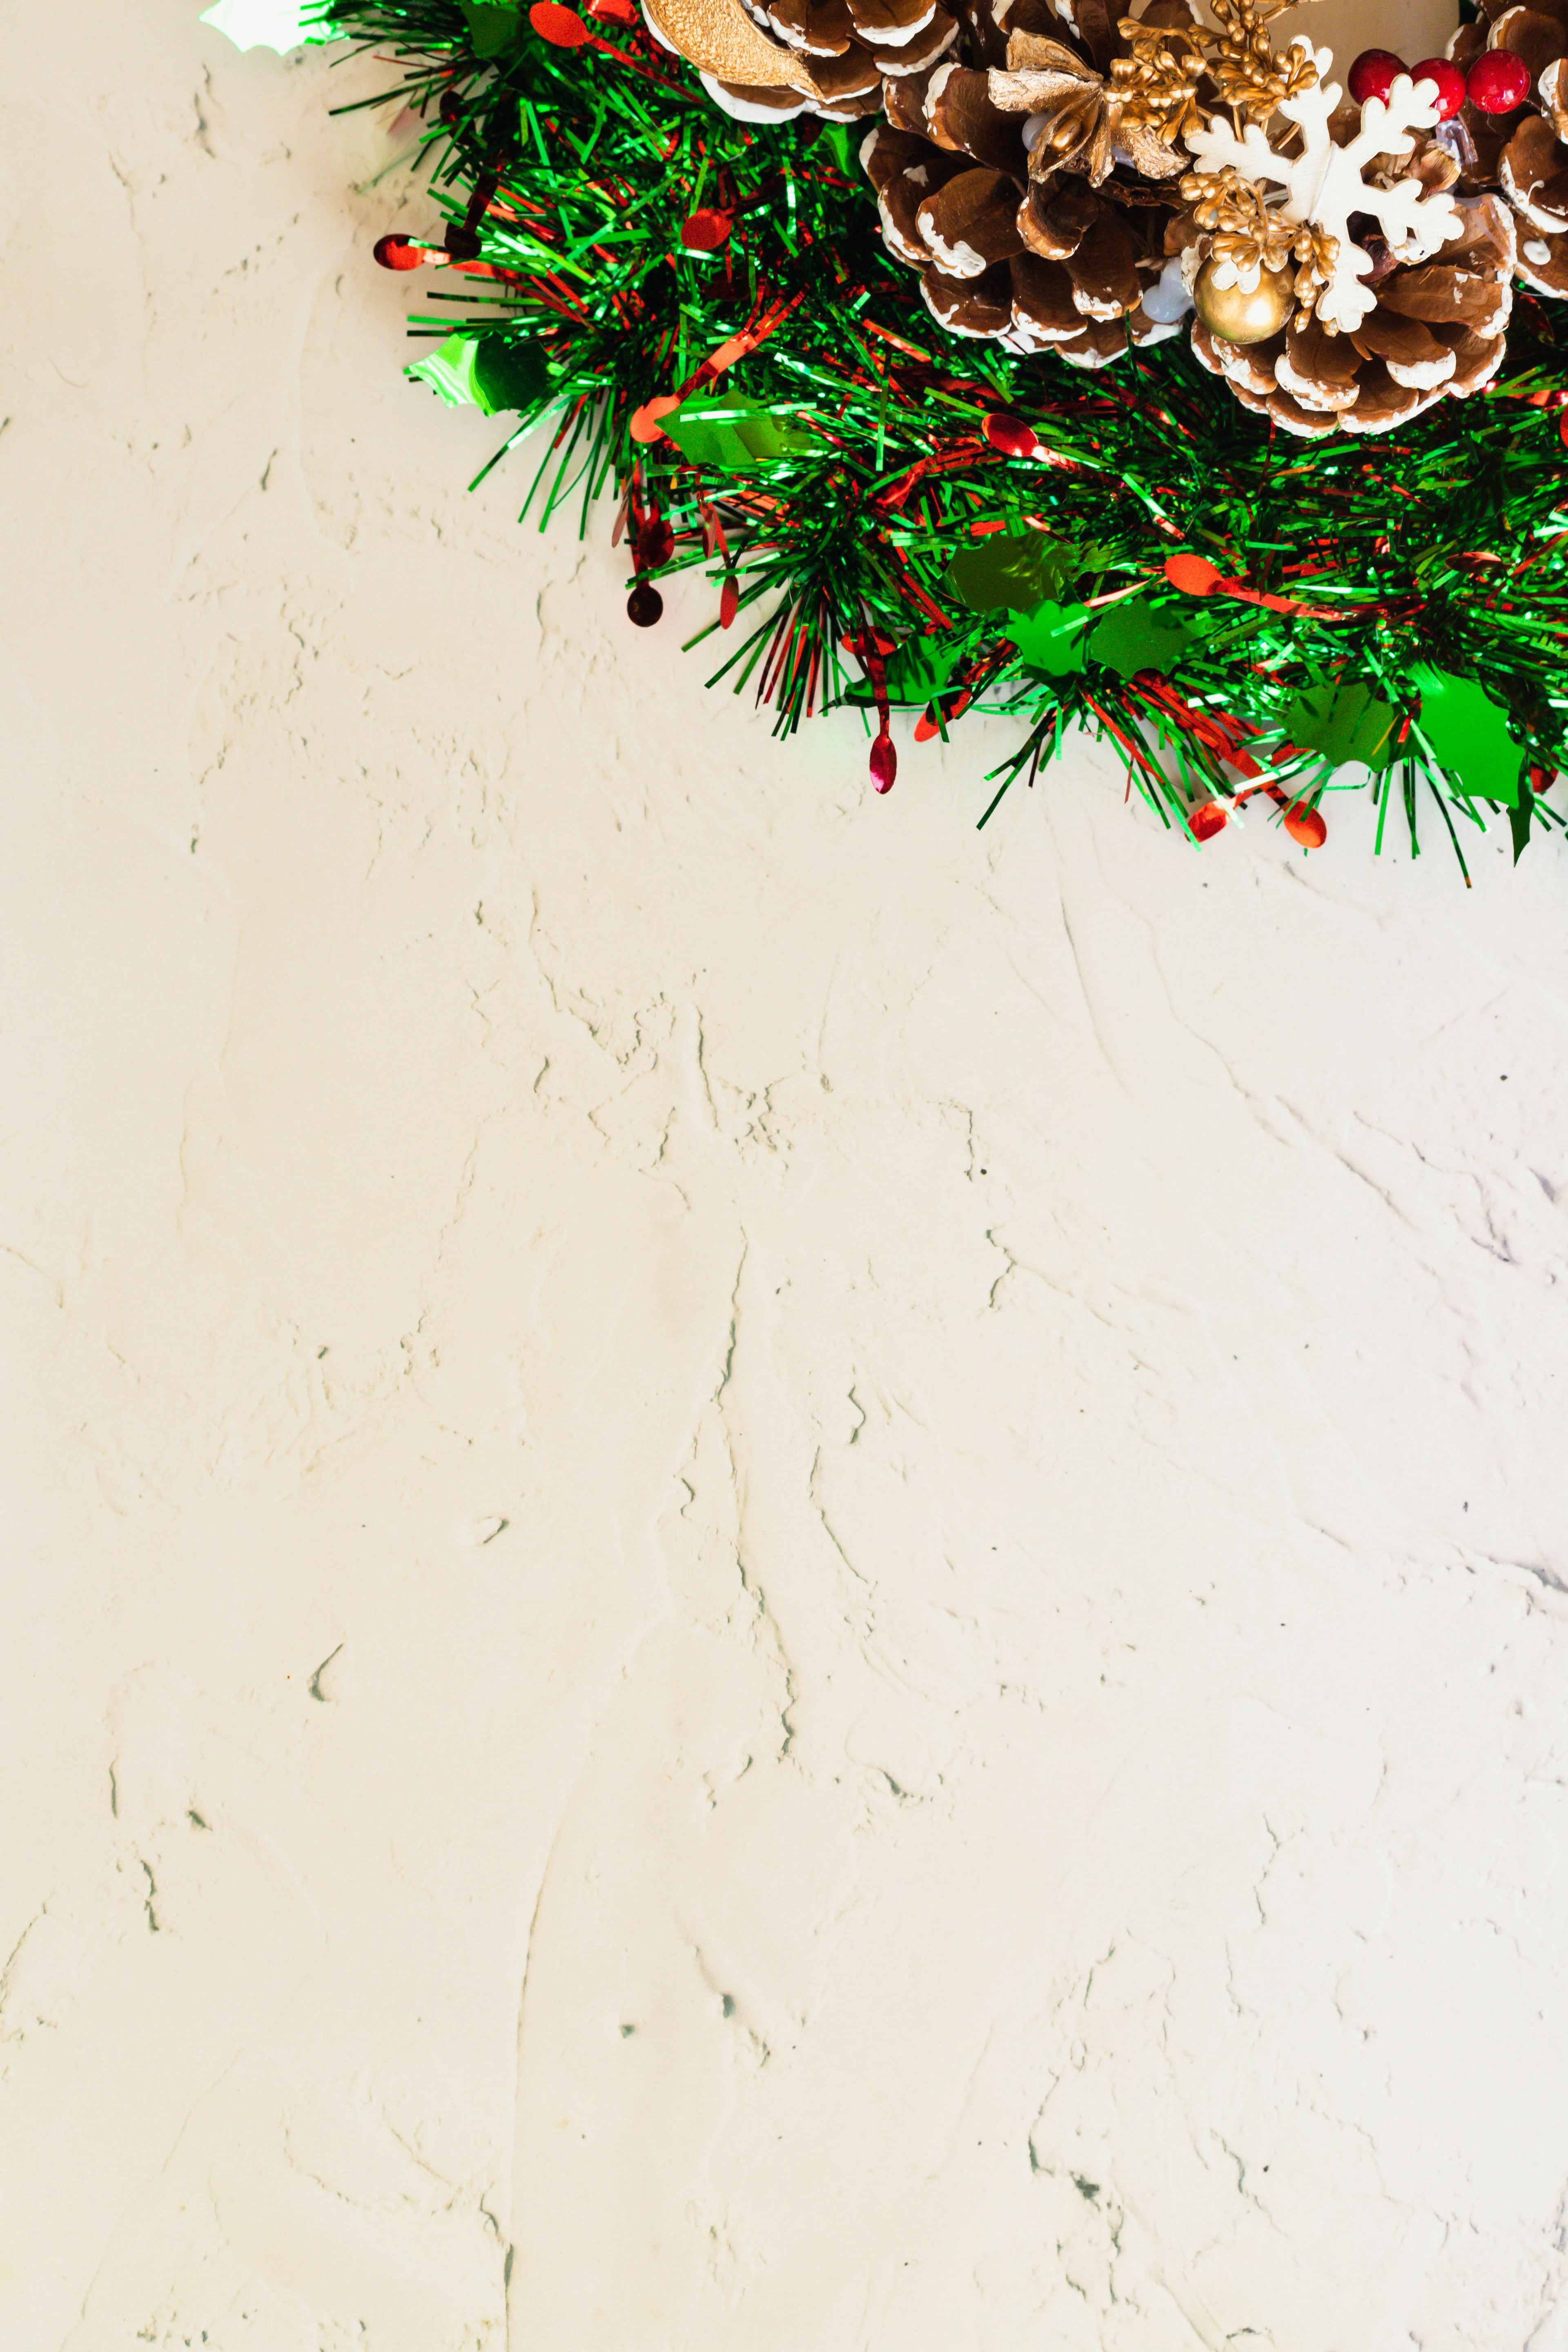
(1098, 369)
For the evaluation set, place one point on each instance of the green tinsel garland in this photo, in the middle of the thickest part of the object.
(891, 516)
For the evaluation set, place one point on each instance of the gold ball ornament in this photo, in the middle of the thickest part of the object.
(1241, 317)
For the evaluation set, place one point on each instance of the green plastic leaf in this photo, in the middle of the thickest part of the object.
(509, 373)
(488, 371)
(263, 24)
(492, 26)
(1519, 822)
(1344, 722)
(450, 370)
(835, 137)
(737, 436)
(1015, 570)
(919, 670)
(1470, 733)
(1052, 638)
(916, 672)
(1138, 635)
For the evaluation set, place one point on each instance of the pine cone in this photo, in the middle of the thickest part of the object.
(1014, 239)
(1525, 153)
(850, 44)
(1438, 332)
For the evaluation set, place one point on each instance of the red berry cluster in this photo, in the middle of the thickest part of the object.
(1496, 83)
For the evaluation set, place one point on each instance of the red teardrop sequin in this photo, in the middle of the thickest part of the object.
(561, 26)
(706, 231)
(1207, 819)
(1306, 825)
(654, 544)
(1193, 574)
(398, 253)
(1011, 435)
(884, 762)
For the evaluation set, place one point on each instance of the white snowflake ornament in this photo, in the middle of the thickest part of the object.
(1324, 184)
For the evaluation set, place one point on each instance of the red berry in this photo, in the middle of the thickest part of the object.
(1498, 82)
(1450, 83)
(1373, 74)
(398, 253)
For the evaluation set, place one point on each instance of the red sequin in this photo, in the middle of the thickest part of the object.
(706, 231)
(654, 544)
(561, 26)
(1011, 435)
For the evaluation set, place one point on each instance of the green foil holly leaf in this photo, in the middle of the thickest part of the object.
(1013, 570)
(488, 371)
(737, 436)
(919, 670)
(492, 26)
(916, 672)
(1470, 734)
(1140, 635)
(508, 373)
(1052, 638)
(449, 371)
(1344, 722)
(1519, 818)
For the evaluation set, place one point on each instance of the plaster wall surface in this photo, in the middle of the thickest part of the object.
(777, 1579)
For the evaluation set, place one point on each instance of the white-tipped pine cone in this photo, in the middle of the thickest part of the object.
(1438, 332)
(1525, 153)
(849, 46)
(1013, 243)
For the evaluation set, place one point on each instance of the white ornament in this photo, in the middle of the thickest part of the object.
(1324, 184)
(1170, 299)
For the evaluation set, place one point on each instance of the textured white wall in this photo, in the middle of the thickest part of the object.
(796, 1574)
